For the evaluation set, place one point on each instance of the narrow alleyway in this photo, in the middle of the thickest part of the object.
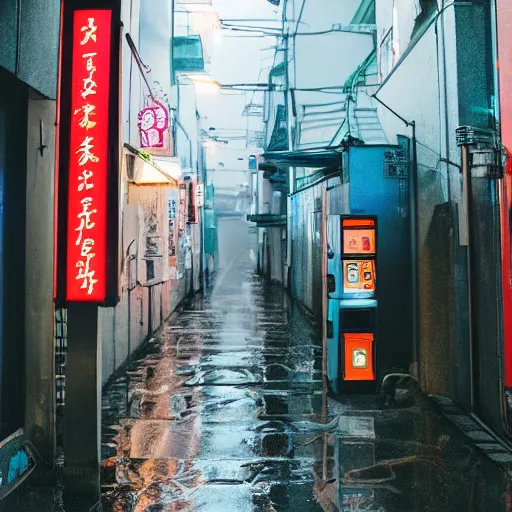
(226, 411)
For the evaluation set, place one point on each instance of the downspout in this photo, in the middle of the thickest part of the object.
(413, 208)
(467, 195)
(178, 123)
(173, 78)
(291, 171)
(444, 103)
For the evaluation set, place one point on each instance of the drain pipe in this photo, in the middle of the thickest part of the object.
(413, 233)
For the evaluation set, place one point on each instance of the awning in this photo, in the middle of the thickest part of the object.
(141, 171)
(267, 220)
(316, 159)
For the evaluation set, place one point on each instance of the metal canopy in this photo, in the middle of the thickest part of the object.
(268, 220)
(322, 158)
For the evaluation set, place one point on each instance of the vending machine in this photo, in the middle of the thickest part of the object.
(352, 303)
(368, 292)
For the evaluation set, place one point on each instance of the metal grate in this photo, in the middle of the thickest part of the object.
(61, 349)
(396, 164)
(469, 135)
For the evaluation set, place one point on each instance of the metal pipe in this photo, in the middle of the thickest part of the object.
(466, 176)
(444, 121)
(179, 125)
(142, 67)
(291, 173)
(173, 79)
(413, 193)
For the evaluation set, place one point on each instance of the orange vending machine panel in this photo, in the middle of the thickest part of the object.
(359, 276)
(359, 356)
(358, 305)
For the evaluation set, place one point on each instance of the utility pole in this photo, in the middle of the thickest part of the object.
(291, 170)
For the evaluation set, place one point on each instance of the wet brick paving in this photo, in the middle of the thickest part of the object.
(226, 410)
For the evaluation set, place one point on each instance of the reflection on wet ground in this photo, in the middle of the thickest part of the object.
(226, 411)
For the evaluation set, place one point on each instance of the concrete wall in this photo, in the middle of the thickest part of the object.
(418, 90)
(145, 304)
(306, 248)
(39, 339)
(29, 42)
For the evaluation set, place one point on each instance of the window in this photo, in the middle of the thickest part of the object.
(386, 55)
(395, 35)
(424, 9)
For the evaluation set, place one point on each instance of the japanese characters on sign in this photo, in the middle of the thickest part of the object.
(172, 233)
(200, 195)
(88, 165)
(182, 208)
(192, 203)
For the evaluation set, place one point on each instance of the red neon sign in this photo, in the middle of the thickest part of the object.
(86, 274)
(504, 20)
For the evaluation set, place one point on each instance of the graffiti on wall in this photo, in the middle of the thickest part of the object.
(16, 462)
(154, 128)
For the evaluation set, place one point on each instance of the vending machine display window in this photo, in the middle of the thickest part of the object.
(359, 236)
(358, 276)
(359, 241)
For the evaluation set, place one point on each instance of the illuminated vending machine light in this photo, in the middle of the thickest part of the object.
(358, 304)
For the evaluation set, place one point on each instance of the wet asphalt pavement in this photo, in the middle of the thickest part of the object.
(227, 411)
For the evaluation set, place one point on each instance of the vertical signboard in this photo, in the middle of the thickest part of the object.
(154, 129)
(87, 204)
(200, 195)
(182, 213)
(504, 22)
(87, 186)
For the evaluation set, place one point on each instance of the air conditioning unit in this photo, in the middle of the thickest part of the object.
(141, 172)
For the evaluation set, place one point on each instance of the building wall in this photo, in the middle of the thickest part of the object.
(444, 79)
(145, 304)
(29, 42)
(28, 62)
(306, 216)
(13, 175)
(413, 90)
(39, 326)
(147, 301)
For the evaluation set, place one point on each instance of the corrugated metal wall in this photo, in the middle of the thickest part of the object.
(306, 248)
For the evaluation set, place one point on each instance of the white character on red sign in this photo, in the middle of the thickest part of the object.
(86, 153)
(89, 83)
(90, 31)
(84, 271)
(88, 112)
(85, 218)
(85, 176)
